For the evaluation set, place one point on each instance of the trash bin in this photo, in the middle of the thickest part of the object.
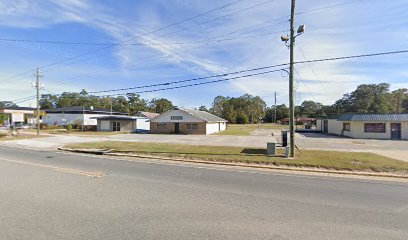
(284, 138)
(271, 148)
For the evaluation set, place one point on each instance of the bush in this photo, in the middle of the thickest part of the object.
(69, 127)
(242, 119)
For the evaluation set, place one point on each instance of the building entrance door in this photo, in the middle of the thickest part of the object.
(325, 126)
(396, 131)
(177, 128)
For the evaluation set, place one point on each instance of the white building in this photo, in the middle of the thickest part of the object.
(76, 115)
(18, 115)
(137, 124)
(186, 121)
(374, 126)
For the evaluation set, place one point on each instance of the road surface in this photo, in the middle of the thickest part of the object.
(51, 195)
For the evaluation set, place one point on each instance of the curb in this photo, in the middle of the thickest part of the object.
(89, 151)
(235, 164)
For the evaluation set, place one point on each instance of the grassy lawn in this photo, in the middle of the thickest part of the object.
(246, 129)
(4, 137)
(73, 132)
(320, 159)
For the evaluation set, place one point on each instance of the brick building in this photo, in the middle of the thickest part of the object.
(186, 121)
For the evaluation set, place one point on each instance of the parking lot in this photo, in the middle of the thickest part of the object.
(257, 139)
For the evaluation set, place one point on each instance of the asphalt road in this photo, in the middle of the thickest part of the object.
(50, 195)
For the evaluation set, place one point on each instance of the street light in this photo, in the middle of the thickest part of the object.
(291, 40)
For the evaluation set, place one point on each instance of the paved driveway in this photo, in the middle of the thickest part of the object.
(207, 140)
(53, 142)
(257, 139)
(318, 141)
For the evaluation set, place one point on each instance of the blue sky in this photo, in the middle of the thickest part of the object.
(249, 34)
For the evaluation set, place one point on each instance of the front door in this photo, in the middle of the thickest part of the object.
(395, 130)
(325, 126)
(177, 128)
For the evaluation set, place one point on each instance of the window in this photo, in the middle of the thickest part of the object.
(116, 126)
(346, 127)
(374, 127)
(161, 125)
(192, 126)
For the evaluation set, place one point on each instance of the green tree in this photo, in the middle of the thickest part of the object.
(310, 109)
(136, 103)
(203, 108)
(48, 101)
(398, 98)
(160, 105)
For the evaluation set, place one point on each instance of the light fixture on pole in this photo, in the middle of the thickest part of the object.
(291, 40)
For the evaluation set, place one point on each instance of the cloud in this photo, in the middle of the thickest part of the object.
(332, 32)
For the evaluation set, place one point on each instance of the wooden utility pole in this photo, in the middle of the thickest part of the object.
(37, 87)
(291, 85)
(274, 114)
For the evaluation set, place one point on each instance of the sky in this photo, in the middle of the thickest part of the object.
(172, 40)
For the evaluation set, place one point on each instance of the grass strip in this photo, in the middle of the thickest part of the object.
(351, 161)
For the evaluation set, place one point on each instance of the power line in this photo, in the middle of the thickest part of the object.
(247, 70)
(132, 44)
(197, 84)
(129, 39)
(353, 56)
(328, 7)
(256, 69)
(184, 29)
(310, 65)
(175, 24)
(15, 102)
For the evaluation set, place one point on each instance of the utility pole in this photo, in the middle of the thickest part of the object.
(111, 105)
(398, 103)
(83, 118)
(291, 85)
(37, 86)
(274, 107)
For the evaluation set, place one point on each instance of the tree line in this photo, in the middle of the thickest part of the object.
(130, 103)
(367, 98)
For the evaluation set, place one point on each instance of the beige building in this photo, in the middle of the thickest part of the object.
(122, 124)
(186, 121)
(368, 126)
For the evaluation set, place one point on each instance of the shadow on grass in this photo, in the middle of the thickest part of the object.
(244, 152)
(254, 151)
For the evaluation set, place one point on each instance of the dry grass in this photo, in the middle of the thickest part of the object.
(73, 132)
(246, 129)
(356, 161)
(20, 136)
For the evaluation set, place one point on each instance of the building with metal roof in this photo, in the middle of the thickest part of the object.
(187, 121)
(115, 123)
(375, 126)
(79, 115)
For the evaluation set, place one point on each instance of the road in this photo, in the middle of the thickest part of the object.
(51, 195)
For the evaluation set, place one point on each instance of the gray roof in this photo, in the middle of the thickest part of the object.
(147, 114)
(374, 117)
(18, 108)
(113, 117)
(330, 116)
(80, 109)
(206, 116)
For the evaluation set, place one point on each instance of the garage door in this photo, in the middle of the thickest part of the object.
(105, 125)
